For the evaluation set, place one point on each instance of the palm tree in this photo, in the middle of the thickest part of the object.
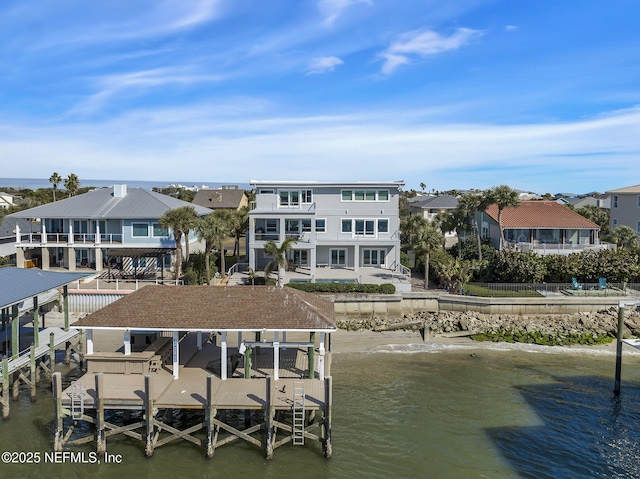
(458, 220)
(420, 235)
(213, 230)
(280, 257)
(624, 236)
(55, 181)
(71, 184)
(189, 221)
(175, 220)
(239, 224)
(504, 197)
(474, 204)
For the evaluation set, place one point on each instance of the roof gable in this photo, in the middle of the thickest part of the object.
(540, 214)
(628, 189)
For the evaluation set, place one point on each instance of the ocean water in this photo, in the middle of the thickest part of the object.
(35, 183)
(410, 412)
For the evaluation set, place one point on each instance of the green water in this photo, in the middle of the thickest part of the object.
(421, 412)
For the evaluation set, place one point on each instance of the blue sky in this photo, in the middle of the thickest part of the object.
(543, 96)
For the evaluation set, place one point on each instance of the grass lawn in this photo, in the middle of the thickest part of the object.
(475, 290)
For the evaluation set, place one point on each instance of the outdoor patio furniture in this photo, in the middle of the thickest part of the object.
(602, 283)
(575, 285)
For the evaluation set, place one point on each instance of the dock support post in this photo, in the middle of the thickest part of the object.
(311, 351)
(58, 436)
(67, 353)
(212, 429)
(247, 363)
(52, 352)
(32, 371)
(15, 332)
(80, 348)
(5, 388)
(268, 422)
(616, 388)
(328, 401)
(148, 402)
(65, 300)
(223, 357)
(36, 325)
(101, 442)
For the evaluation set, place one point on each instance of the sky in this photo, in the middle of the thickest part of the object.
(542, 96)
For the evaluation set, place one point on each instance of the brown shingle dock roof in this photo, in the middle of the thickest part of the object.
(230, 308)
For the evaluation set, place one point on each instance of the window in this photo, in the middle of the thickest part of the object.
(614, 201)
(638, 227)
(291, 226)
(365, 195)
(373, 257)
(383, 226)
(306, 224)
(638, 202)
(140, 230)
(272, 226)
(346, 226)
(266, 192)
(338, 257)
(365, 227)
(321, 225)
(159, 231)
(306, 196)
(614, 223)
(289, 198)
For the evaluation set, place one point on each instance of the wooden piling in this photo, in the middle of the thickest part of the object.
(67, 353)
(149, 420)
(212, 428)
(247, 363)
(52, 353)
(268, 420)
(328, 402)
(32, 371)
(101, 441)
(36, 327)
(616, 388)
(5, 388)
(58, 438)
(65, 299)
(15, 331)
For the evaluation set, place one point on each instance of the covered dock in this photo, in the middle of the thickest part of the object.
(214, 349)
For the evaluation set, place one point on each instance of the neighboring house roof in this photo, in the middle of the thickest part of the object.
(19, 284)
(628, 189)
(224, 198)
(101, 203)
(215, 308)
(8, 226)
(540, 214)
(437, 202)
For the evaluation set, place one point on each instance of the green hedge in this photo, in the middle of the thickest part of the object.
(344, 288)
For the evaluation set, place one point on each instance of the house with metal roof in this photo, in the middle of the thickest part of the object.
(545, 227)
(85, 230)
(625, 207)
(225, 198)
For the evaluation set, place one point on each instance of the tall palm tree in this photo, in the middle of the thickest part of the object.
(422, 236)
(213, 230)
(503, 197)
(473, 204)
(175, 219)
(458, 220)
(279, 254)
(189, 221)
(71, 184)
(55, 180)
(239, 224)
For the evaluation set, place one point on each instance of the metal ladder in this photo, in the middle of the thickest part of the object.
(77, 399)
(298, 413)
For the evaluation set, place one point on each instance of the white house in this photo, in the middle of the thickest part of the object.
(337, 225)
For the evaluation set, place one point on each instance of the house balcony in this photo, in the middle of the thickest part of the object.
(558, 248)
(68, 239)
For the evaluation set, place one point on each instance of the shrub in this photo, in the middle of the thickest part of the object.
(343, 288)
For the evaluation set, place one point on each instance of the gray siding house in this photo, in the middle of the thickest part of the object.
(625, 207)
(336, 225)
(84, 229)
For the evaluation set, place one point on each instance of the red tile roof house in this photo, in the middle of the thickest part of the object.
(545, 227)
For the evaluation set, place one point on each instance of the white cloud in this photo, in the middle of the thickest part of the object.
(511, 28)
(422, 43)
(331, 9)
(323, 65)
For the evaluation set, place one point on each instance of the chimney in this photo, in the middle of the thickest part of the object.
(119, 191)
